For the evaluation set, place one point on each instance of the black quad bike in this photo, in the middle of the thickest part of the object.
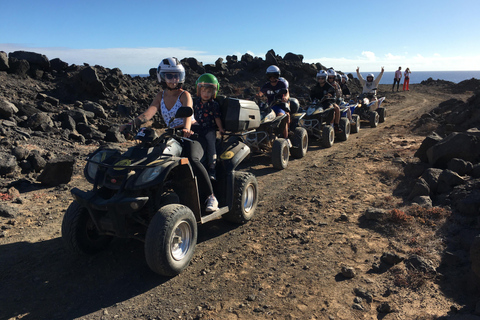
(317, 122)
(150, 193)
(370, 110)
(267, 136)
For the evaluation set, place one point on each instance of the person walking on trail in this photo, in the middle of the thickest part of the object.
(406, 80)
(397, 78)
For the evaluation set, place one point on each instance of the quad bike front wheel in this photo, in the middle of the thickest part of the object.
(356, 127)
(245, 198)
(382, 114)
(80, 234)
(299, 142)
(170, 240)
(345, 126)
(374, 119)
(328, 136)
(280, 153)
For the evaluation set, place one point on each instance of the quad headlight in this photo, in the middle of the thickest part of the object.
(92, 165)
(148, 175)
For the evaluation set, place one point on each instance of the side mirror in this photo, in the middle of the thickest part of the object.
(183, 112)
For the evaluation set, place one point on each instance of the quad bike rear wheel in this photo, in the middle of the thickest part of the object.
(170, 240)
(299, 142)
(328, 136)
(374, 119)
(245, 198)
(345, 126)
(382, 114)
(280, 153)
(356, 126)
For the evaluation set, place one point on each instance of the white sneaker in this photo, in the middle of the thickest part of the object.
(212, 204)
(289, 143)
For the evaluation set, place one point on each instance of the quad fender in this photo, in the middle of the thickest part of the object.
(278, 121)
(233, 155)
(294, 105)
(328, 115)
(294, 118)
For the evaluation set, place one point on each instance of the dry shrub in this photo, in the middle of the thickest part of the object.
(5, 197)
(390, 173)
(399, 216)
(411, 279)
(427, 215)
(386, 202)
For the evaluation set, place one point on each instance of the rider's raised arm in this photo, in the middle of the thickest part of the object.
(377, 81)
(359, 76)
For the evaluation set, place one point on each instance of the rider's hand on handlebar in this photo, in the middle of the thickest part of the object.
(123, 127)
(187, 132)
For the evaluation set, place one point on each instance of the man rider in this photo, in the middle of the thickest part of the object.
(323, 89)
(371, 84)
(270, 89)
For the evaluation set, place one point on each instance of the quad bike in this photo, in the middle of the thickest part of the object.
(369, 109)
(352, 105)
(317, 122)
(150, 193)
(268, 136)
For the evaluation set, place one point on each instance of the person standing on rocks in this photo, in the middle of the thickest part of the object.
(171, 75)
(270, 89)
(406, 80)
(397, 78)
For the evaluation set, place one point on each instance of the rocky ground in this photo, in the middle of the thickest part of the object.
(337, 237)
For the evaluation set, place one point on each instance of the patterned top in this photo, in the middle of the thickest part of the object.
(206, 113)
(169, 114)
(270, 91)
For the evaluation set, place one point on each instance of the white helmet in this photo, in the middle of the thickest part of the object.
(284, 81)
(273, 71)
(331, 72)
(321, 74)
(169, 66)
(370, 75)
(344, 76)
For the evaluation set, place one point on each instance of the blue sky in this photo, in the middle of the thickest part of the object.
(134, 35)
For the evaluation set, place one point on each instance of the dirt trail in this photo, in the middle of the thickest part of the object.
(285, 264)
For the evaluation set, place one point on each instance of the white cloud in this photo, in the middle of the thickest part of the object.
(369, 55)
(129, 60)
(392, 57)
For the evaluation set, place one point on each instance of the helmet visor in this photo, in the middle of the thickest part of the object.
(273, 75)
(173, 77)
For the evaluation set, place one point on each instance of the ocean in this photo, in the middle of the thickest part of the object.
(415, 77)
(419, 76)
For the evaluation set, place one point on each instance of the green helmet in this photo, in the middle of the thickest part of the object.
(208, 80)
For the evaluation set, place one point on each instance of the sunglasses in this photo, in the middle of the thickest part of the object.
(170, 76)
